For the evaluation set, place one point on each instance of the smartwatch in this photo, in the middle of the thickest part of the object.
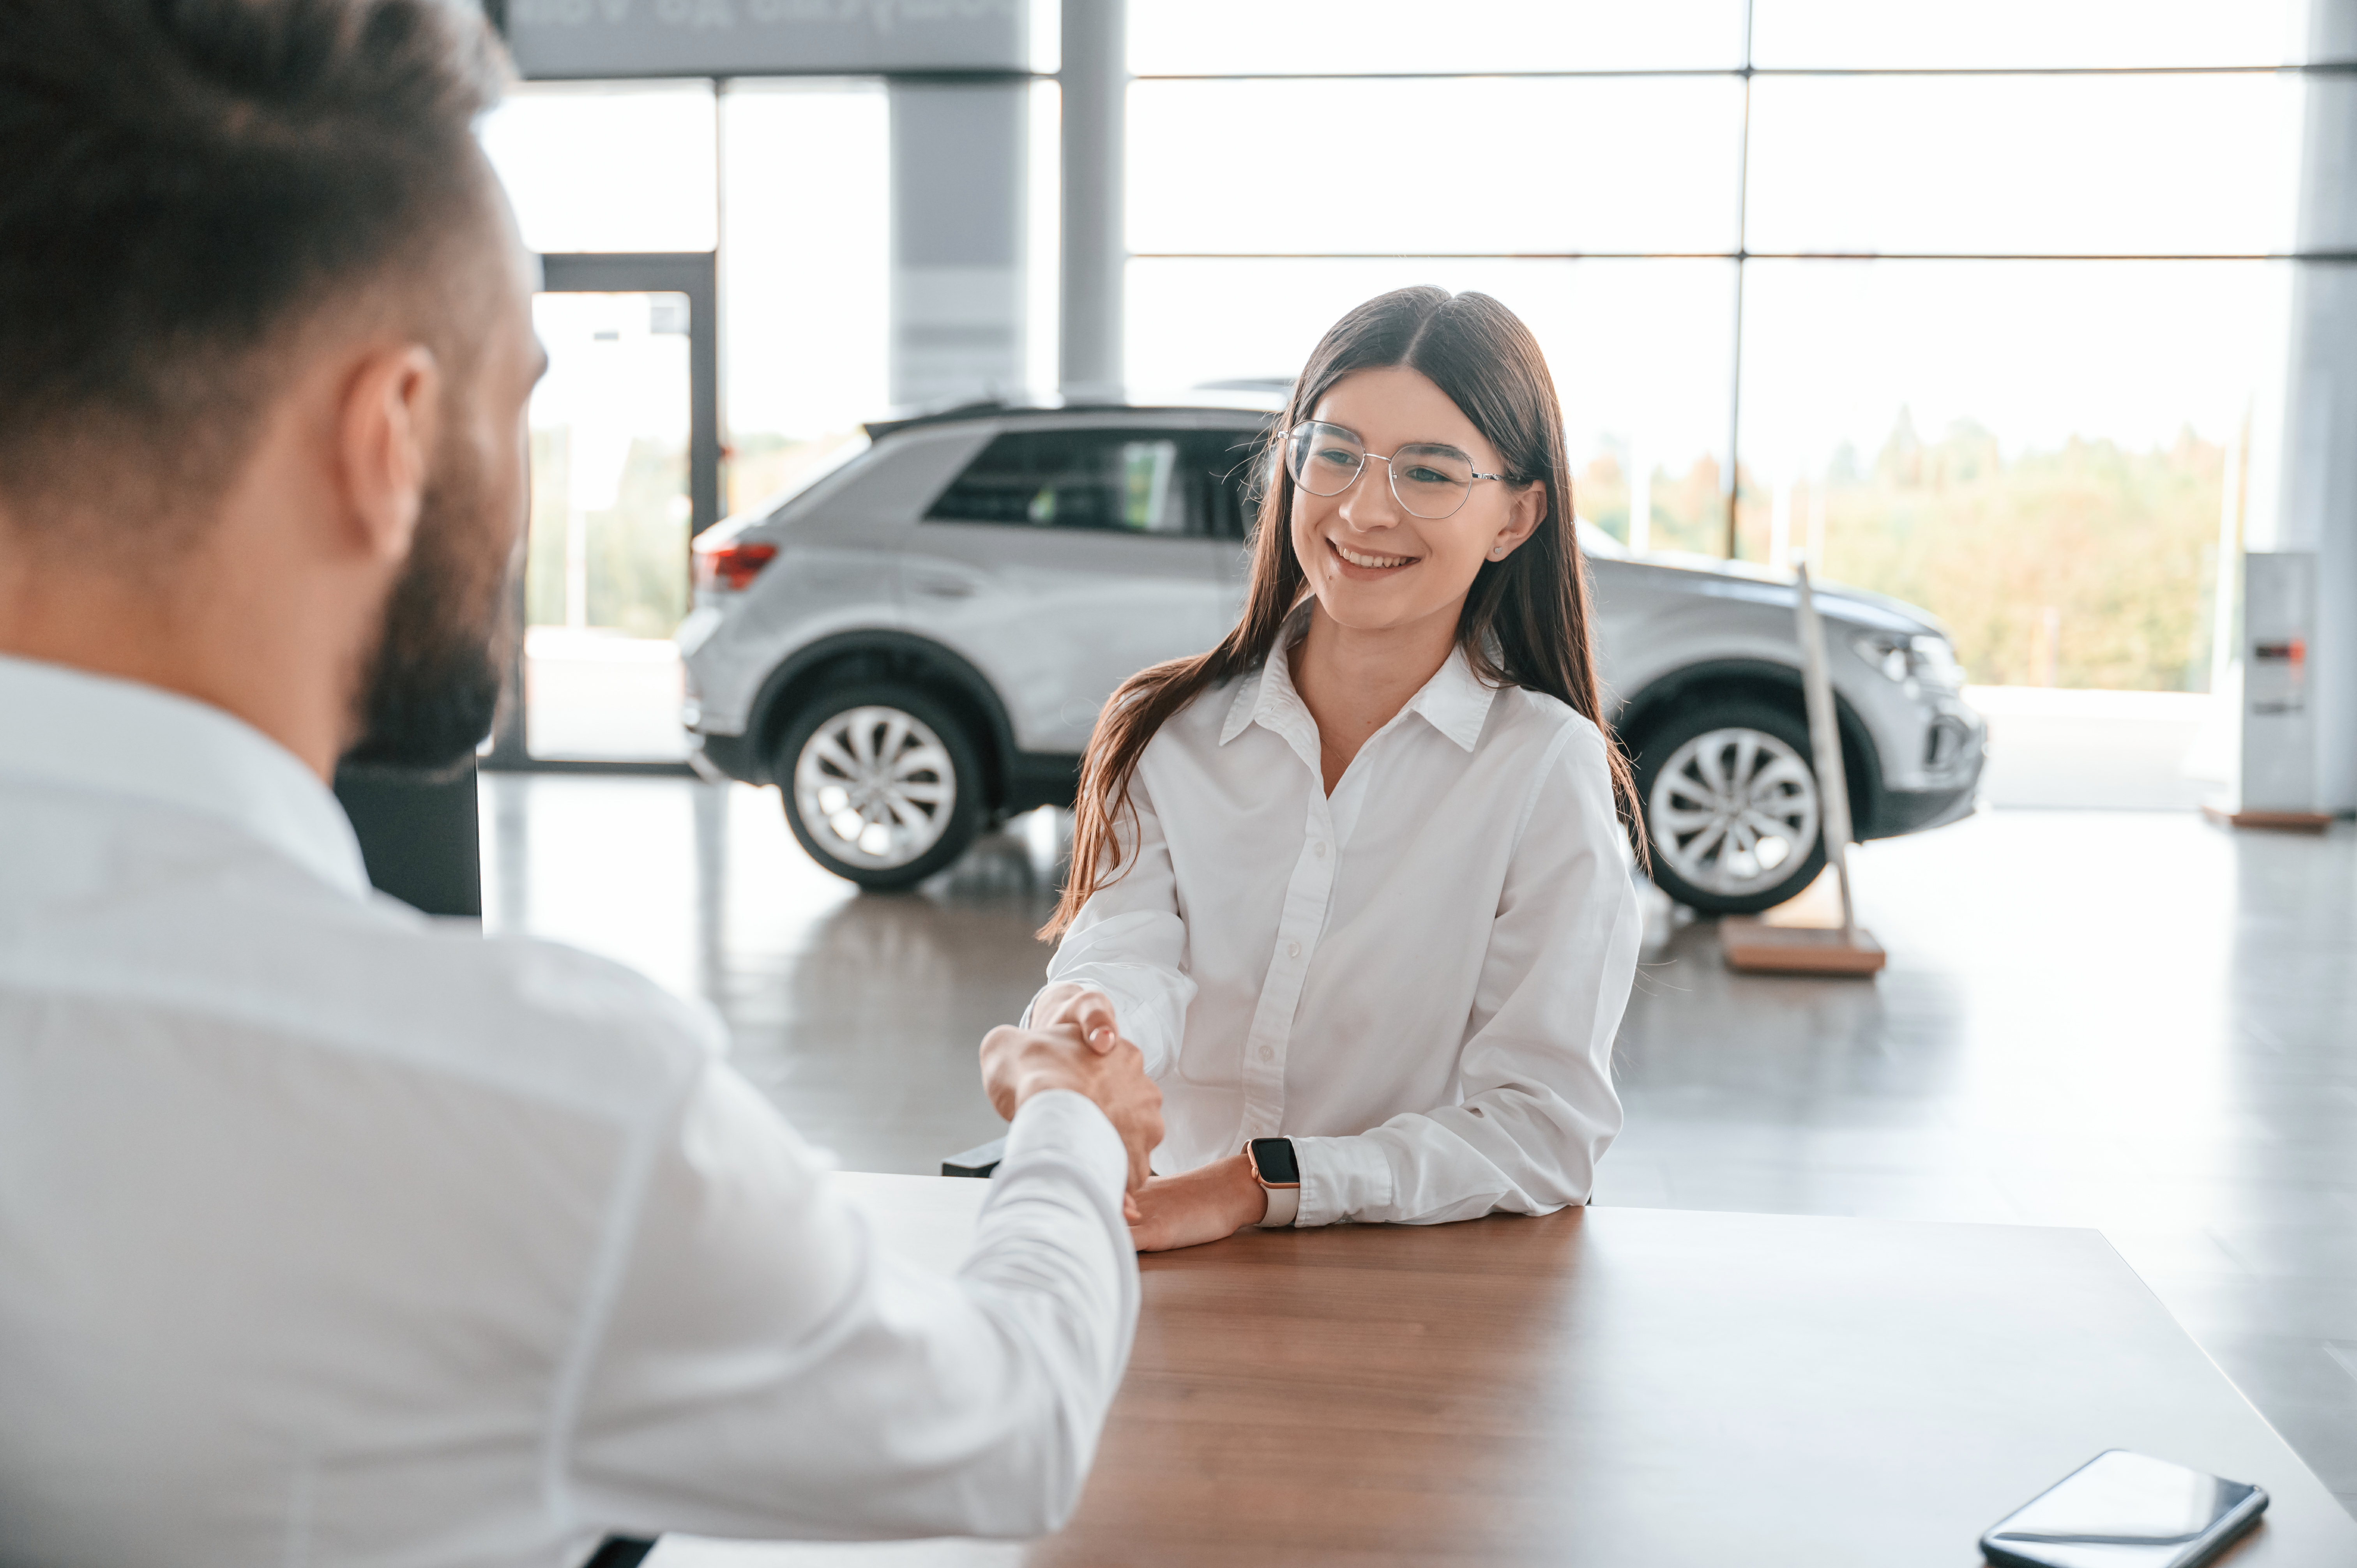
(1279, 1174)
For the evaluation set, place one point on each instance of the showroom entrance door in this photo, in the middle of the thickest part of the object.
(625, 472)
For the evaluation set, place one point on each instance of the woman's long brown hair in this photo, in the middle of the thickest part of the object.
(1525, 621)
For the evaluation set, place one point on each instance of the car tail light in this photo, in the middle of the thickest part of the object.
(730, 568)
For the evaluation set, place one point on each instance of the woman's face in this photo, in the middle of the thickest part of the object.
(1374, 565)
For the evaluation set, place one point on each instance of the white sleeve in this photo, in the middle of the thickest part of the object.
(766, 1369)
(1130, 942)
(1536, 1070)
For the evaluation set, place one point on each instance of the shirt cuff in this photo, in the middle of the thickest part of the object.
(1342, 1178)
(1065, 1125)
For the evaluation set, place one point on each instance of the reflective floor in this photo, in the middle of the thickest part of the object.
(2125, 1020)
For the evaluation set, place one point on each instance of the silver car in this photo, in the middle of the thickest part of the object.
(915, 643)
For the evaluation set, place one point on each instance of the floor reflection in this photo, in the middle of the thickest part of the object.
(2129, 1021)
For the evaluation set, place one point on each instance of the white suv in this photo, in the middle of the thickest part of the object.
(915, 643)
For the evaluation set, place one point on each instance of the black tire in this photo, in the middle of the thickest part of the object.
(953, 825)
(1714, 880)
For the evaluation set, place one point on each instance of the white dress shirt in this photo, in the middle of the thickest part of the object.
(1417, 980)
(331, 1233)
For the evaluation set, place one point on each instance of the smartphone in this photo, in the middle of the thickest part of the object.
(2124, 1510)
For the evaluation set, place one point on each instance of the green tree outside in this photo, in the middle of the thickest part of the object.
(2090, 565)
(636, 551)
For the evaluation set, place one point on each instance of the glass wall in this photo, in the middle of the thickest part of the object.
(789, 183)
(565, 150)
(604, 579)
(805, 280)
(1262, 209)
(2002, 291)
(606, 560)
(2039, 452)
(791, 180)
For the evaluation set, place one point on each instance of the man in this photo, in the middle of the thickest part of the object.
(330, 1233)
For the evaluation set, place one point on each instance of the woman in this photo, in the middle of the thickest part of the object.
(1354, 879)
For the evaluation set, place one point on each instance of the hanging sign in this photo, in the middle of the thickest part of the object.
(577, 38)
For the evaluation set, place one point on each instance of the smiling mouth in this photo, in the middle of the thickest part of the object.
(1371, 563)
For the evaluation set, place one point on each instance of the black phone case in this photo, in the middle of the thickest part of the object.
(2216, 1539)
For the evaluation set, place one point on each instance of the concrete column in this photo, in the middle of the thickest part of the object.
(957, 239)
(1096, 243)
(2316, 512)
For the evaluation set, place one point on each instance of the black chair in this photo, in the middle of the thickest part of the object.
(978, 1161)
(419, 836)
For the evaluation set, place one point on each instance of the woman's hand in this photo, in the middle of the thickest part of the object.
(1089, 1011)
(1218, 1199)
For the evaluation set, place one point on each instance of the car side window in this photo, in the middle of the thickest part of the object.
(1123, 482)
(1228, 461)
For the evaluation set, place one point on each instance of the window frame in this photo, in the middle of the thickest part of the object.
(1741, 254)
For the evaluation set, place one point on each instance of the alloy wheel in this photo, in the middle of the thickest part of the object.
(1732, 809)
(875, 787)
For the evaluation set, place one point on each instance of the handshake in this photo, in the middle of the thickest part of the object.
(1073, 1043)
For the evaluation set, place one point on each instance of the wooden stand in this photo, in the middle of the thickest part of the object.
(2277, 822)
(1753, 945)
(1770, 948)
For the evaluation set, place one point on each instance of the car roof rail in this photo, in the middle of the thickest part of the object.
(945, 414)
(1237, 399)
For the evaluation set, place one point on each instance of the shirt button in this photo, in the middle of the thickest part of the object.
(1267, 1053)
(1293, 949)
(1319, 849)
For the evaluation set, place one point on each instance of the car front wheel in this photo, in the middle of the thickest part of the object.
(1732, 809)
(882, 785)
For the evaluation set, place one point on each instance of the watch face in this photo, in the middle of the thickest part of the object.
(1272, 1157)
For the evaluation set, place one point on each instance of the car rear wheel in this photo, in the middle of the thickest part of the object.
(882, 785)
(1732, 811)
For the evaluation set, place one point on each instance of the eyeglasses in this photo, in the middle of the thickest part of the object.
(1429, 481)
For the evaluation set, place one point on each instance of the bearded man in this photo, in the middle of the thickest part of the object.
(329, 1232)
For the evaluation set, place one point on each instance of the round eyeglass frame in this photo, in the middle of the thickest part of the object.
(1293, 444)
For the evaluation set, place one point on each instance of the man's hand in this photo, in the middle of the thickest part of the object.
(1019, 1063)
(1090, 1011)
(1218, 1200)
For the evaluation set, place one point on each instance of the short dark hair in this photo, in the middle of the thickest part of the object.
(184, 184)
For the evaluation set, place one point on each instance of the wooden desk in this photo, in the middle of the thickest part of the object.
(1618, 1386)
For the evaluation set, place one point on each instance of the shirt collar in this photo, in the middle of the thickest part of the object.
(95, 735)
(1267, 697)
(1456, 701)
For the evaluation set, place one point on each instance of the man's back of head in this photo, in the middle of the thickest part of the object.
(225, 225)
